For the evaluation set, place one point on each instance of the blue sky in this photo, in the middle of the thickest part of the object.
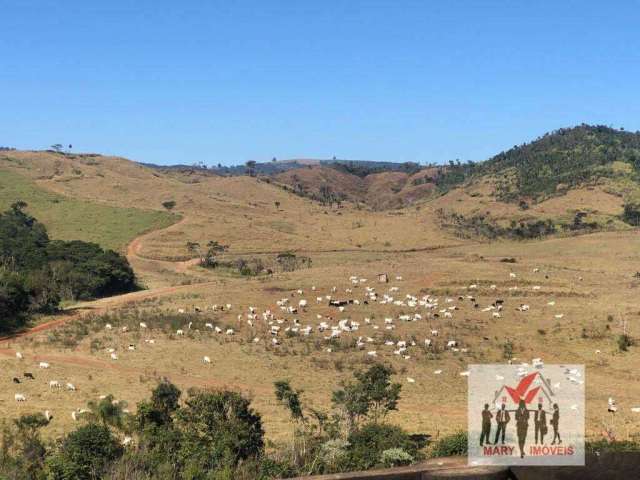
(228, 81)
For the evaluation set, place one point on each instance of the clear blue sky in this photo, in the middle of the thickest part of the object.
(228, 81)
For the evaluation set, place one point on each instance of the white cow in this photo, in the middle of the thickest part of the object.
(43, 365)
(206, 359)
(20, 397)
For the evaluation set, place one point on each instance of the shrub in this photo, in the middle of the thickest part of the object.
(451, 445)
(369, 442)
(395, 457)
(624, 342)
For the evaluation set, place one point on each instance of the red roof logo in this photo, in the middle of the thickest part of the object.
(520, 392)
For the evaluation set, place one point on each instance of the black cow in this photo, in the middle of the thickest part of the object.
(29, 375)
(16, 380)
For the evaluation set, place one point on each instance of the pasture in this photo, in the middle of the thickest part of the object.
(581, 293)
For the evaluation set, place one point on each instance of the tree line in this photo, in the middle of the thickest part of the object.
(215, 434)
(36, 273)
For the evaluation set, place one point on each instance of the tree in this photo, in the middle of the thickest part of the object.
(169, 204)
(251, 165)
(213, 249)
(219, 429)
(14, 301)
(57, 147)
(290, 398)
(29, 448)
(194, 248)
(371, 395)
(85, 454)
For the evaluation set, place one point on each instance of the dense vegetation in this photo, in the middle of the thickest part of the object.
(362, 168)
(215, 434)
(558, 160)
(36, 272)
(484, 226)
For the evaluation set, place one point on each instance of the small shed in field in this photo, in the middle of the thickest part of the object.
(383, 278)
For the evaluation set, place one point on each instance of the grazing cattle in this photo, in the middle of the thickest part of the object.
(452, 344)
(19, 356)
(411, 380)
(29, 375)
(54, 384)
(71, 387)
(114, 356)
(143, 325)
(209, 326)
(206, 359)
(108, 326)
(19, 397)
(16, 380)
(180, 332)
(230, 331)
(44, 365)
(48, 416)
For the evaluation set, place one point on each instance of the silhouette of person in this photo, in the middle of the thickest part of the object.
(502, 418)
(540, 422)
(522, 425)
(555, 420)
(486, 425)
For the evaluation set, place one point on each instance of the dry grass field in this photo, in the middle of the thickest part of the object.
(590, 278)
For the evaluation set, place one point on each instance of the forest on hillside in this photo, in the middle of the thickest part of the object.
(558, 160)
(36, 273)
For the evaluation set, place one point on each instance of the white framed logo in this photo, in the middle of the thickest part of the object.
(529, 414)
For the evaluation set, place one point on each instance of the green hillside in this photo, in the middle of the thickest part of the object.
(556, 162)
(70, 219)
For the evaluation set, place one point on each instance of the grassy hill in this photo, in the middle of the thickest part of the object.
(72, 219)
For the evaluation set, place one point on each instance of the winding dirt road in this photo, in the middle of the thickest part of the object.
(135, 258)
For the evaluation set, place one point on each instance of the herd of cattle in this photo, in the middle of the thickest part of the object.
(346, 314)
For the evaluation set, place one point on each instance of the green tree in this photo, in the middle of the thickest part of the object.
(85, 454)
(372, 395)
(368, 443)
(219, 429)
